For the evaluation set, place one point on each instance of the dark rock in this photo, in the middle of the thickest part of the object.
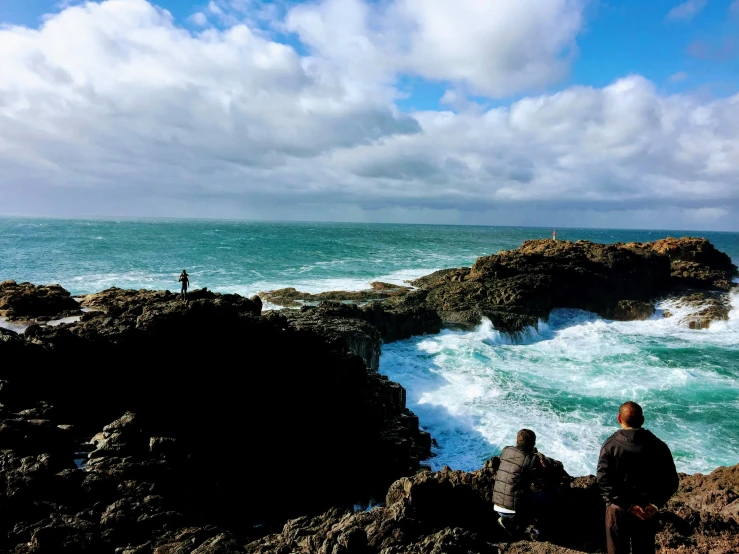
(629, 310)
(517, 288)
(707, 307)
(210, 372)
(292, 298)
(123, 437)
(694, 263)
(339, 325)
(27, 301)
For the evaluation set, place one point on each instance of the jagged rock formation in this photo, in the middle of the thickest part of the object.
(292, 298)
(451, 512)
(361, 329)
(232, 418)
(247, 396)
(694, 263)
(516, 288)
(706, 307)
(142, 492)
(26, 301)
(338, 324)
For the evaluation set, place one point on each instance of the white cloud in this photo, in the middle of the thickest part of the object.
(214, 8)
(111, 109)
(678, 77)
(199, 19)
(494, 47)
(703, 215)
(687, 10)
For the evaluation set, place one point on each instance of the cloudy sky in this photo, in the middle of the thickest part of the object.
(600, 113)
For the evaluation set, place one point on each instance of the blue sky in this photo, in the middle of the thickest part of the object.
(555, 112)
(620, 37)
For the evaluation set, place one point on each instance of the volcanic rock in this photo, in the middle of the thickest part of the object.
(292, 298)
(517, 288)
(211, 373)
(27, 301)
(694, 263)
(706, 307)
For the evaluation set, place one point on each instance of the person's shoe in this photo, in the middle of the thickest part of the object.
(536, 534)
(508, 526)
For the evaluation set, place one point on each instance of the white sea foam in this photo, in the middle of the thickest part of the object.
(474, 390)
(12, 326)
(70, 319)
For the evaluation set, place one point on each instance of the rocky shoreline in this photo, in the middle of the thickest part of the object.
(152, 425)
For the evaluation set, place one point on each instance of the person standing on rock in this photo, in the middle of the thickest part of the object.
(519, 468)
(637, 476)
(185, 283)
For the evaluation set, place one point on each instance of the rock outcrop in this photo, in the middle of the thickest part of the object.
(143, 492)
(159, 426)
(704, 307)
(247, 396)
(24, 301)
(452, 512)
(694, 263)
(517, 288)
(361, 329)
(293, 298)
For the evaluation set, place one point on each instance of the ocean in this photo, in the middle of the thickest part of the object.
(471, 390)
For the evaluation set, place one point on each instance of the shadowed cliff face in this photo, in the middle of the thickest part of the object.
(277, 420)
(142, 492)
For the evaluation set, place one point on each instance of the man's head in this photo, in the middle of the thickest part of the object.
(630, 415)
(525, 440)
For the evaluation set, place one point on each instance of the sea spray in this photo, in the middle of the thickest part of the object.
(566, 379)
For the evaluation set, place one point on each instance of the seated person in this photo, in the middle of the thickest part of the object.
(521, 466)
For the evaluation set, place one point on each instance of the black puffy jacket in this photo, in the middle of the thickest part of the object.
(517, 471)
(635, 467)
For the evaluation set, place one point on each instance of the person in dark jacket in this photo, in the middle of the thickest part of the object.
(184, 279)
(520, 468)
(637, 476)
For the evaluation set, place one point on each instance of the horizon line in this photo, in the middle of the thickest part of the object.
(249, 220)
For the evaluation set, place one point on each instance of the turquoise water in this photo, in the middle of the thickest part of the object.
(471, 390)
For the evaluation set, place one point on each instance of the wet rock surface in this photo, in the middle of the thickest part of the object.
(705, 308)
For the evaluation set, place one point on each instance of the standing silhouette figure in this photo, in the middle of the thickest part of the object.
(185, 283)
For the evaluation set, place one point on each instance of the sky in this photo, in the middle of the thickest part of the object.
(568, 113)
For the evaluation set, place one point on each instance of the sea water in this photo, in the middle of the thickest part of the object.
(471, 390)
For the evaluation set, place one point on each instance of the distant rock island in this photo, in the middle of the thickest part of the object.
(132, 422)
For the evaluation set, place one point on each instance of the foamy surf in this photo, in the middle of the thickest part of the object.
(474, 390)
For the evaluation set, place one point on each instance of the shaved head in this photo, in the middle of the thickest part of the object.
(631, 414)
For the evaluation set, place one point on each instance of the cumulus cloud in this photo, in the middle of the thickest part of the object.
(496, 48)
(199, 19)
(687, 10)
(112, 109)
